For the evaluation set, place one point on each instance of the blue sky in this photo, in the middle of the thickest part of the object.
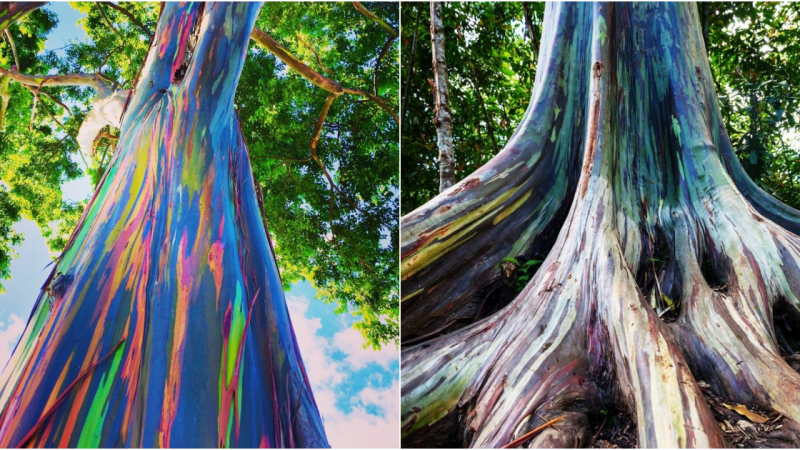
(357, 390)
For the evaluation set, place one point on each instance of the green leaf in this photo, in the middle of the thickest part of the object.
(668, 302)
(510, 259)
(532, 262)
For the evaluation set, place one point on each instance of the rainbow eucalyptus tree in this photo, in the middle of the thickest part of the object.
(164, 323)
(664, 265)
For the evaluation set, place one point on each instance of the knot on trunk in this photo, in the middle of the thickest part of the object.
(598, 69)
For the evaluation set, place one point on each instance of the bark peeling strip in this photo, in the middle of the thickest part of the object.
(581, 336)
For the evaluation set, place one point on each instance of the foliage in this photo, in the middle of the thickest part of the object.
(347, 253)
(754, 51)
(525, 271)
(491, 63)
(35, 153)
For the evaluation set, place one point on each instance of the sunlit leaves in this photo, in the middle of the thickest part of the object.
(349, 254)
(754, 53)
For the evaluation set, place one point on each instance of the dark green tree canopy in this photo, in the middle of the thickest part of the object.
(754, 50)
(329, 180)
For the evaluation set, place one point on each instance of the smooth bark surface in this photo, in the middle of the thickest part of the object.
(620, 169)
(164, 322)
(441, 97)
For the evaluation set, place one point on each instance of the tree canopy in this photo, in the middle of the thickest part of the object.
(754, 51)
(491, 54)
(326, 162)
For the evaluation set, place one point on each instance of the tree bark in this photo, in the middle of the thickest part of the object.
(164, 322)
(441, 114)
(531, 32)
(621, 156)
(10, 12)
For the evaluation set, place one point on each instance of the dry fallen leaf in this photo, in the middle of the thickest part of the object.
(741, 409)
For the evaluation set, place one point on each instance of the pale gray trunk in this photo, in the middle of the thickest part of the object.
(441, 117)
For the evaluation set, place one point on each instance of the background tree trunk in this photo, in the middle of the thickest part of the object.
(666, 269)
(410, 73)
(163, 322)
(531, 31)
(441, 117)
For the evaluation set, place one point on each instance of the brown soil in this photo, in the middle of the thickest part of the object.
(618, 431)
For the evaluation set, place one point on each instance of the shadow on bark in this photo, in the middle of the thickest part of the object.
(666, 272)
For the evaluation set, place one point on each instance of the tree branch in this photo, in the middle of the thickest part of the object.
(489, 121)
(370, 15)
(292, 61)
(378, 64)
(315, 157)
(38, 99)
(318, 125)
(334, 186)
(111, 139)
(33, 111)
(379, 101)
(10, 12)
(131, 17)
(13, 47)
(4, 98)
(74, 79)
(411, 64)
(308, 46)
(56, 101)
(108, 22)
(531, 33)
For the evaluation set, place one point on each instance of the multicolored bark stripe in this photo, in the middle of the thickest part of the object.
(164, 321)
(622, 151)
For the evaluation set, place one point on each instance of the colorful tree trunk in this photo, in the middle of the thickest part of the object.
(620, 170)
(164, 322)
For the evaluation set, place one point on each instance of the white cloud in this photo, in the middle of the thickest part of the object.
(312, 347)
(350, 342)
(9, 338)
(358, 428)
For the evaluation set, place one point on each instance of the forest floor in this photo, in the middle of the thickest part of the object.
(744, 426)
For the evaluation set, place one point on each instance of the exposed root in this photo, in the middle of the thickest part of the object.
(661, 275)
